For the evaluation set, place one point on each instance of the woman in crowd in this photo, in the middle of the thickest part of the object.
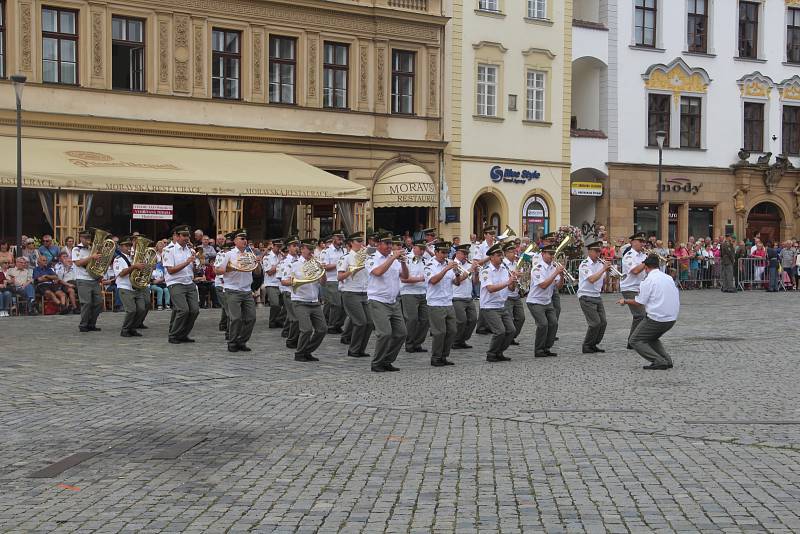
(609, 254)
(6, 256)
(760, 265)
(69, 244)
(5, 291)
(682, 255)
(31, 252)
(158, 286)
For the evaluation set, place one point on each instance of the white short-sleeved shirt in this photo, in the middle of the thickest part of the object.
(464, 290)
(539, 273)
(587, 269)
(440, 294)
(119, 265)
(175, 255)
(270, 261)
(219, 279)
(490, 276)
(234, 280)
(357, 282)
(79, 252)
(416, 268)
(510, 265)
(332, 255)
(630, 260)
(383, 288)
(660, 297)
(480, 253)
(305, 293)
(285, 271)
(64, 274)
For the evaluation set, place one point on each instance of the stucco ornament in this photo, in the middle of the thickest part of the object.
(677, 77)
(755, 85)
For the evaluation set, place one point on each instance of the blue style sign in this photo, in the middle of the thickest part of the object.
(499, 174)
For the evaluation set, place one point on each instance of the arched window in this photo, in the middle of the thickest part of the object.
(536, 218)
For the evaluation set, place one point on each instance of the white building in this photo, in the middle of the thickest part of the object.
(716, 76)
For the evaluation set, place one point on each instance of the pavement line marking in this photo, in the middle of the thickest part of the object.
(174, 451)
(743, 422)
(62, 465)
(583, 410)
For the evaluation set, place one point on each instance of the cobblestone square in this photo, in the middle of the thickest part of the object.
(192, 438)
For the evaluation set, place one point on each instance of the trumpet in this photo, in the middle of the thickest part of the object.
(613, 271)
(459, 269)
(567, 276)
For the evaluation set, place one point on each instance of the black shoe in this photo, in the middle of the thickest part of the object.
(629, 347)
(64, 311)
(390, 367)
(598, 349)
(462, 346)
(505, 358)
(411, 350)
(233, 348)
(291, 345)
(420, 349)
(588, 350)
(94, 329)
(378, 369)
(654, 367)
(482, 332)
(301, 358)
(344, 340)
(335, 330)
(513, 342)
(540, 355)
(494, 359)
(134, 333)
(311, 358)
(438, 363)
(448, 362)
(174, 341)
(556, 339)
(245, 348)
(362, 355)
(186, 340)
(142, 327)
(76, 311)
(550, 353)
(223, 328)
(669, 366)
(83, 329)
(125, 333)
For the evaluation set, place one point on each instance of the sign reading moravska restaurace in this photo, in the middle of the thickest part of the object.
(499, 174)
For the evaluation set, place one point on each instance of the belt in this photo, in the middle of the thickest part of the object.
(359, 293)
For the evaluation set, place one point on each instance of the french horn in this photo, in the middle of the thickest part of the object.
(361, 260)
(312, 272)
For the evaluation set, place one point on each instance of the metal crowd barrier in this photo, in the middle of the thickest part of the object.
(753, 273)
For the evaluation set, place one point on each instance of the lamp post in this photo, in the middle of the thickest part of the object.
(19, 84)
(661, 136)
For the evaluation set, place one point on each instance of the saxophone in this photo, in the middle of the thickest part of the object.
(140, 278)
(105, 246)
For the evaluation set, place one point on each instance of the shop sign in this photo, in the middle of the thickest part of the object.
(680, 185)
(587, 189)
(152, 212)
(499, 174)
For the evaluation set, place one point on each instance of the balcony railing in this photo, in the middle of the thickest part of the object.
(413, 5)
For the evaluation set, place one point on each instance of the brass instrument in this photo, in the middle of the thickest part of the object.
(567, 241)
(144, 253)
(508, 233)
(312, 271)
(459, 269)
(199, 253)
(105, 246)
(247, 262)
(361, 260)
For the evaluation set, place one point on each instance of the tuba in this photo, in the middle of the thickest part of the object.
(508, 233)
(361, 260)
(312, 272)
(140, 278)
(105, 246)
(523, 269)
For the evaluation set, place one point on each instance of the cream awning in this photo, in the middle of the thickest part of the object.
(119, 168)
(404, 186)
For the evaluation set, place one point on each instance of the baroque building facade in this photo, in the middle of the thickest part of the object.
(349, 87)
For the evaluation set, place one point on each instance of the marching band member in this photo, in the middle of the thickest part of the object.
(660, 299)
(89, 293)
(496, 282)
(514, 302)
(219, 288)
(178, 260)
(307, 307)
(269, 265)
(545, 278)
(333, 299)
(482, 258)
(591, 277)
(550, 240)
(632, 276)
(440, 277)
(238, 295)
(429, 243)
(354, 296)
(385, 268)
(412, 298)
(290, 326)
(463, 305)
(134, 301)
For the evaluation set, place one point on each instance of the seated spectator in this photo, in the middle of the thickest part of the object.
(49, 249)
(208, 249)
(109, 283)
(6, 256)
(30, 252)
(48, 284)
(66, 273)
(5, 291)
(159, 287)
(69, 243)
(22, 279)
(205, 284)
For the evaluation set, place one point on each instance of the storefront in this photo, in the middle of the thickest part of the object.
(404, 198)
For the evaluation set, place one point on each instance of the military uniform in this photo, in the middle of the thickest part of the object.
(590, 301)
(272, 285)
(439, 280)
(134, 301)
(182, 290)
(464, 307)
(387, 316)
(89, 292)
(540, 305)
(514, 302)
(219, 288)
(238, 297)
(290, 326)
(414, 305)
(307, 309)
(480, 255)
(629, 285)
(334, 313)
(354, 301)
(493, 307)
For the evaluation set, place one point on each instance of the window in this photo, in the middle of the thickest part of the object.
(793, 36)
(2, 40)
(488, 5)
(59, 46)
(282, 69)
(701, 221)
(535, 95)
(226, 64)
(645, 219)
(791, 130)
(698, 26)
(646, 23)
(487, 90)
(403, 81)
(658, 114)
(537, 9)
(748, 29)
(753, 127)
(691, 114)
(535, 218)
(127, 54)
(335, 73)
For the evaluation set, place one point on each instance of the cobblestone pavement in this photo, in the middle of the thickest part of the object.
(193, 438)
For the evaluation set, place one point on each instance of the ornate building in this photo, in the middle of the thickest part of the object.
(273, 114)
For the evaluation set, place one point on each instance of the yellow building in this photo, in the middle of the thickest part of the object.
(271, 114)
(509, 152)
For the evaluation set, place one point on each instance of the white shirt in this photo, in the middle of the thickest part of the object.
(332, 255)
(480, 253)
(490, 276)
(80, 252)
(589, 268)
(305, 293)
(660, 297)
(64, 274)
(285, 271)
(219, 280)
(383, 288)
(440, 294)
(630, 260)
(175, 255)
(510, 265)
(234, 280)
(357, 282)
(158, 273)
(416, 268)
(270, 261)
(539, 273)
(464, 290)
(119, 265)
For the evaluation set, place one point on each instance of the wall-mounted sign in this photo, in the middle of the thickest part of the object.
(587, 189)
(499, 174)
(152, 212)
(680, 185)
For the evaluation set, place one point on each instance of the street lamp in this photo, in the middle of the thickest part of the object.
(19, 84)
(661, 136)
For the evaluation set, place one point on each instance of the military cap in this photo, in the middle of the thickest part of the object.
(241, 232)
(386, 237)
(464, 248)
(86, 233)
(497, 248)
(509, 246)
(181, 229)
(550, 249)
(230, 235)
(337, 233)
(490, 230)
(126, 240)
(398, 240)
(420, 243)
(292, 240)
(596, 245)
(639, 236)
(356, 236)
(429, 231)
(309, 243)
(327, 238)
(443, 246)
(277, 241)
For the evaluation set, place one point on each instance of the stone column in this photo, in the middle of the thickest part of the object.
(683, 223)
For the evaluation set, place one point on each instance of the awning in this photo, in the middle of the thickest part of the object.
(119, 168)
(404, 186)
